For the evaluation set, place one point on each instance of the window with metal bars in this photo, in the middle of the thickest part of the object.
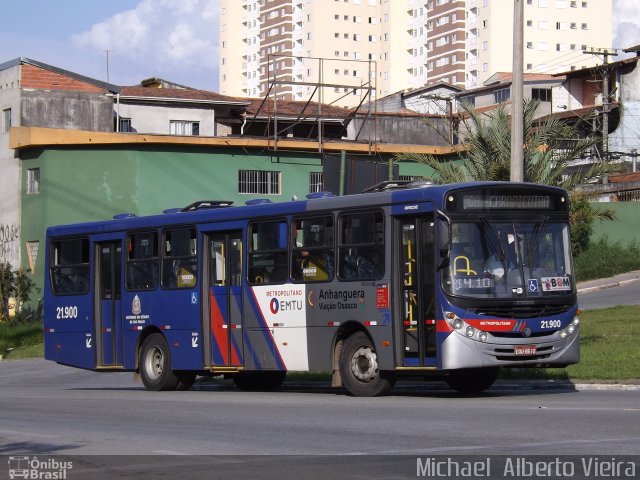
(316, 182)
(265, 182)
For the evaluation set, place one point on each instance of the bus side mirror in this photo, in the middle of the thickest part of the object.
(444, 239)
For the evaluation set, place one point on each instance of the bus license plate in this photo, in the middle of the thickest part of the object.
(524, 350)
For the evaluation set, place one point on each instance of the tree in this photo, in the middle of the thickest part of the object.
(16, 286)
(549, 147)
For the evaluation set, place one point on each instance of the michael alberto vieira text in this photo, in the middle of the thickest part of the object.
(523, 467)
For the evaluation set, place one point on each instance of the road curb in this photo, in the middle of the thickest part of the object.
(611, 284)
(567, 386)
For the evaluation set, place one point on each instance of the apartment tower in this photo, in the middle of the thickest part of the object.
(365, 49)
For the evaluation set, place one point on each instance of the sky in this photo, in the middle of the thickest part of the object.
(176, 40)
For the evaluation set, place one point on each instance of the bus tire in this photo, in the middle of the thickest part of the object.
(155, 364)
(359, 368)
(259, 381)
(470, 381)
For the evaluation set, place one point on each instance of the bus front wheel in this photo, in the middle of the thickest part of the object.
(470, 381)
(155, 364)
(359, 369)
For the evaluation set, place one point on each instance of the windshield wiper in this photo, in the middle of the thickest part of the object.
(493, 240)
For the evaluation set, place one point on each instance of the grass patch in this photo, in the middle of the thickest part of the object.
(21, 340)
(603, 259)
(608, 348)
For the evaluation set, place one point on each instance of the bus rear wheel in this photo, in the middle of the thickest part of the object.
(155, 364)
(259, 381)
(470, 381)
(359, 369)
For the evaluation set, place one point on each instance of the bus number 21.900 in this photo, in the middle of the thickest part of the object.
(66, 312)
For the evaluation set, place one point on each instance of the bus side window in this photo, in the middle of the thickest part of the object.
(180, 260)
(361, 246)
(267, 259)
(70, 266)
(141, 269)
(312, 249)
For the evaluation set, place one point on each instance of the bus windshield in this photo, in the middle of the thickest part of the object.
(505, 260)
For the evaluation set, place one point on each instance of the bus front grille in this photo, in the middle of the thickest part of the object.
(521, 311)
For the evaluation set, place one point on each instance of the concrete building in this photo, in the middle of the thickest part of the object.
(365, 49)
(35, 94)
(556, 32)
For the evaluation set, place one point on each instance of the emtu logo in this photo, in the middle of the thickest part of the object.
(274, 306)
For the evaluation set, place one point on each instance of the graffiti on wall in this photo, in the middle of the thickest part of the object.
(9, 243)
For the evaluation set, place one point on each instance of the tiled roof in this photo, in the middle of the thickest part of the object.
(625, 178)
(504, 77)
(179, 93)
(60, 71)
(291, 108)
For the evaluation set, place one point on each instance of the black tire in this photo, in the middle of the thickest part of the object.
(470, 381)
(185, 380)
(259, 381)
(359, 368)
(155, 364)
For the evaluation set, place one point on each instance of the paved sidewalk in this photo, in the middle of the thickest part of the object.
(616, 281)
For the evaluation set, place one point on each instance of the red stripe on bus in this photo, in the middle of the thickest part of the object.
(220, 334)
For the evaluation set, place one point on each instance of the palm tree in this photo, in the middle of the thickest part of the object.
(549, 147)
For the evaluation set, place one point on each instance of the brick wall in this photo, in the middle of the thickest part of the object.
(35, 77)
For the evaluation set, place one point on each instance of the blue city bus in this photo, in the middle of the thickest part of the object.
(407, 279)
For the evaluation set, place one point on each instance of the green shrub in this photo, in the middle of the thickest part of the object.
(602, 259)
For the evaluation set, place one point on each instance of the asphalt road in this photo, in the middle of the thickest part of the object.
(50, 409)
(610, 297)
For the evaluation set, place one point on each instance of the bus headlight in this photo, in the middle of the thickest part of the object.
(563, 334)
(576, 321)
(483, 336)
(470, 331)
(571, 328)
(456, 324)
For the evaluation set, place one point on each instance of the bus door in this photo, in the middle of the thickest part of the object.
(109, 304)
(223, 319)
(417, 290)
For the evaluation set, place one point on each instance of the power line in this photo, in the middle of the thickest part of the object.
(572, 58)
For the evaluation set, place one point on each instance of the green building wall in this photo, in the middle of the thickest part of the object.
(624, 229)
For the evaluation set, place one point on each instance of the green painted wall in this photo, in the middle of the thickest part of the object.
(625, 228)
(85, 184)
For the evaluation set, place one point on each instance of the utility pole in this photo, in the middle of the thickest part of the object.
(107, 52)
(605, 96)
(517, 110)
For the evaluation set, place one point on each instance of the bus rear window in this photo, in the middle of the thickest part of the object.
(142, 266)
(69, 266)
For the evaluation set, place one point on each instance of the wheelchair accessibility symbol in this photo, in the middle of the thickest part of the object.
(533, 285)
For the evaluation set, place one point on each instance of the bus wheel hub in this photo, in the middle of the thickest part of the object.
(364, 364)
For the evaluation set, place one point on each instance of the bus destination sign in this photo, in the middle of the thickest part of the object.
(471, 201)
(488, 200)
